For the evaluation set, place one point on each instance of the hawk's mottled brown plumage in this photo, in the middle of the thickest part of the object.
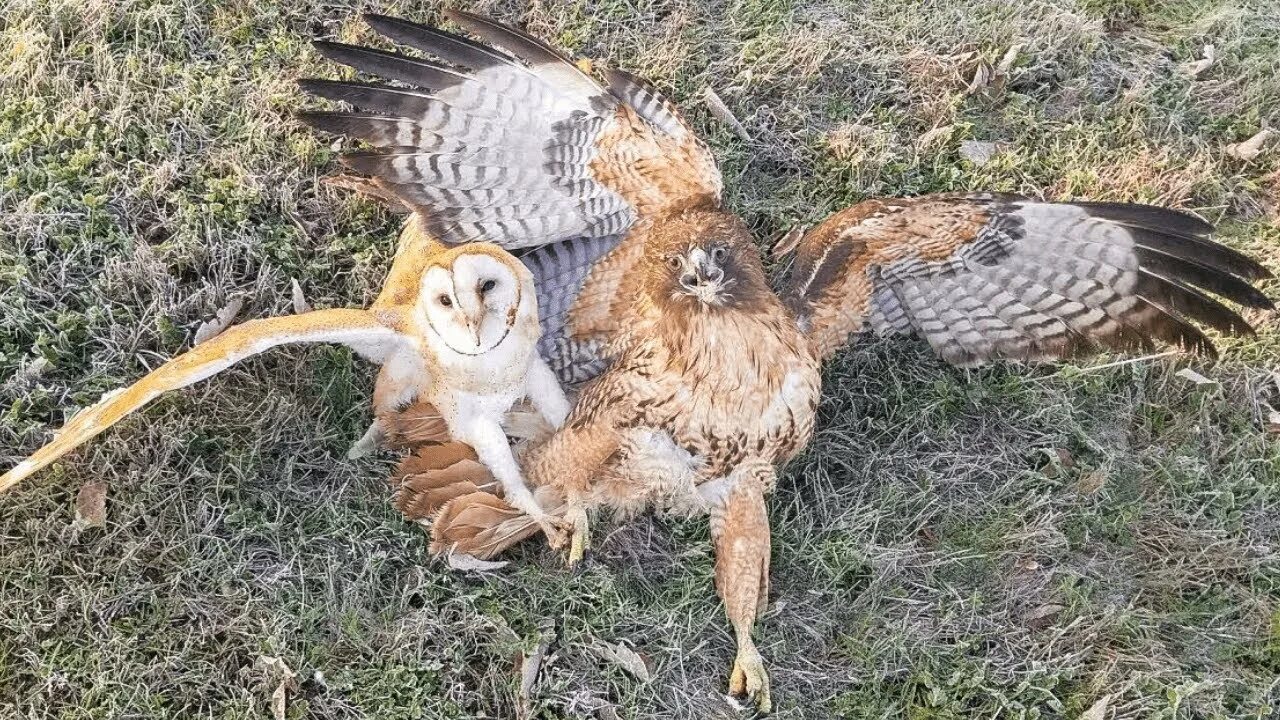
(699, 378)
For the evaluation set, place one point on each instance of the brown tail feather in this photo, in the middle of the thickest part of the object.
(479, 524)
(433, 457)
(416, 425)
(435, 474)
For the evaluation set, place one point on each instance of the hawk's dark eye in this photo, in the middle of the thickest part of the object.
(719, 253)
(487, 285)
(445, 301)
(673, 262)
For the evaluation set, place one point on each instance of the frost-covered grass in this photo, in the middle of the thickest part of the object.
(1000, 543)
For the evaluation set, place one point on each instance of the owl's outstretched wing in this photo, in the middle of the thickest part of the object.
(984, 277)
(354, 328)
(521, 149)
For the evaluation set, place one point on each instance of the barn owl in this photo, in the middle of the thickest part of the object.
(454, 327)
(698, 378)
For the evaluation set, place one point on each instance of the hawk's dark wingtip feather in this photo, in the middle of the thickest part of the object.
(389, 65)
(1205, 277)
(1149, 216)
(1198, 250)
(447, 46)
(1174, 296)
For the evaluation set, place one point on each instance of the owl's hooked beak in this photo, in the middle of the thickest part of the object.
(473, 324)
(702, 277)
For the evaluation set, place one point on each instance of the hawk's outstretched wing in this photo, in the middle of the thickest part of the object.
(982, 277)
(521, 149)
(354, 328)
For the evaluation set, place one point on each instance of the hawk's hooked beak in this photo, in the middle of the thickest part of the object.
(702, 277)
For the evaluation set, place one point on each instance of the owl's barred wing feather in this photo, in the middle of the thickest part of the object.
(524, 149)
(355, 328)
(984, 277)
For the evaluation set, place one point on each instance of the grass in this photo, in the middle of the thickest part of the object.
(1008, 542)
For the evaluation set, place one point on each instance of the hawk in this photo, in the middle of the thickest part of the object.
(698, 379)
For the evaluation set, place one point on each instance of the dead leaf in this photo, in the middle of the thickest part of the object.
(91, 506)
(724, 114)
(286, 680)
(1010, 57)
(1092, 481)
(300, 304)
(585, 65)
(213, 328)
(1251, 148)
(982, 77)
(1195, 377)
(789, 240)
(584, 701)
(1098, 710)
(929, 138)
(1273, 421)
(1209, 56)
(1043, 616)
(978, 152)
(1026, 565)
(625, 658)
(1064, 456)
(470, 563)
(529, 666)
(1059, 459)
(928, 536)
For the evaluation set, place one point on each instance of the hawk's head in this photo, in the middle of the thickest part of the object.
(705, 260)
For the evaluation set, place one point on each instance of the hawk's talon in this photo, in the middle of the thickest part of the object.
(750, 679)
(580, 540)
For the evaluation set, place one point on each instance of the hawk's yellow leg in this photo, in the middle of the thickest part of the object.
(741, 532)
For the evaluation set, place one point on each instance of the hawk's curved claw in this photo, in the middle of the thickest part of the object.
(750, 679)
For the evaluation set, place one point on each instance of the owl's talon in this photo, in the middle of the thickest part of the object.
(749, 679)
(556, 530)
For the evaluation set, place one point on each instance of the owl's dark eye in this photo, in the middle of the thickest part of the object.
(488, 285)
(673, 262)
(719, 253)
(445, 301)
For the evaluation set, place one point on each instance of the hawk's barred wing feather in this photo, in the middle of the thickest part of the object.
(985, 276)
(521, 149)
(355, 328)
(572, 279)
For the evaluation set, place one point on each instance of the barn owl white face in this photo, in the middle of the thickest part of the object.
(473, 307)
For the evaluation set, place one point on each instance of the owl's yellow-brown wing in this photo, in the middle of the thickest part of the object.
(983, 277)
(355, 328)
(523, 149)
